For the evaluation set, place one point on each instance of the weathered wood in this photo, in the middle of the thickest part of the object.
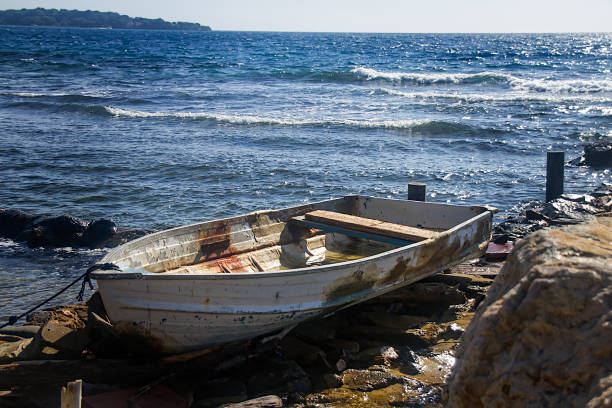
(268, 401)
(302, 221)
(370, 226)
(71, 394)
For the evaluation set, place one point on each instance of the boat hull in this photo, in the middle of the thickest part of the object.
(182, 312)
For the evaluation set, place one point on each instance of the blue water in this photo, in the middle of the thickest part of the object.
(155, 129)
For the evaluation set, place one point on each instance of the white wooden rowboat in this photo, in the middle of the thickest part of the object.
(237, 278)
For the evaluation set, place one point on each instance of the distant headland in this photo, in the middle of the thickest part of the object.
(90, 19)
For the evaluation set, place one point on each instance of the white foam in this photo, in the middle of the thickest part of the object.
(532, 85)
(562, 86)
(506, 97)
(259, 120)
(430, 78)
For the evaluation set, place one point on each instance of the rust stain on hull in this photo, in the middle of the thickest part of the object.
(430, 256)
(214, 242)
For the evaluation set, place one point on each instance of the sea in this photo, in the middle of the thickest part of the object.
(155, 129)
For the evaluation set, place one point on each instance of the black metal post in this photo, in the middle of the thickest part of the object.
(554, 175)
(416, 191)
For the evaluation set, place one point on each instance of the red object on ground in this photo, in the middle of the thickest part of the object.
(159, 396)
(497, 252)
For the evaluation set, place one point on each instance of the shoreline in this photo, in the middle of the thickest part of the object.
(398, 347)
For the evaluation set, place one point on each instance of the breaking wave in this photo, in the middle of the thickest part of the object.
(507, 97)
(421, 126)
(531, 85)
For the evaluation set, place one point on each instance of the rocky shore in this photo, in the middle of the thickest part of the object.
(396, 349)
(530, 331)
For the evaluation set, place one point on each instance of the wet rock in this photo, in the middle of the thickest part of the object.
(452, 332)
(61, 231)
(542, 335)
(64, 230)
(599, 154)
(301, 352)
(385, 335)
(124, 235)
(98, 232)
(278, 377)
(473, 286)
(368, 380)
(375, 356)
(562, 208)
(604, 189)
(569, 209)
(381, 358)
(13, 222)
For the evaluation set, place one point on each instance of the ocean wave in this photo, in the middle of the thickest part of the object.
(432, 78)
(508, 97)
(412, 125)
(573, 86)
(63, 96)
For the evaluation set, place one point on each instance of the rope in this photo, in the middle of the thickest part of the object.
(86, 280)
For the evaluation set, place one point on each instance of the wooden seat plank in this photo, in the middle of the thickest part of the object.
(370, 225)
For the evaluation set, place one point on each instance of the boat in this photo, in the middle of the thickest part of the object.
(233, 279)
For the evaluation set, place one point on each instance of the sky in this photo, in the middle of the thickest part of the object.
(396, 16)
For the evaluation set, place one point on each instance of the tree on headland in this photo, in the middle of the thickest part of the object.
(92, 19)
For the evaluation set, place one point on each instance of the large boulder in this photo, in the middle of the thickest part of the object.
(60, 231)
(598, 154)
(13, 222)
(98, 232)
(542, 336)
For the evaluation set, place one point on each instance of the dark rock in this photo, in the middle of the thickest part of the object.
(301, 352)
(393, 320)
(316, 330)
(26, 331)
(501, 239)
(366, 335)
(536, 216)
(64, 230)
(599, 153)
(124, 235)
(219, 391)
(278, 377)
(60, 231)
(13, 222)
(368, 380)
(340, 345)
(375, 356)
(332, 380)
(452, 332)
(562, 208)
(604, 189)
(98, 232)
